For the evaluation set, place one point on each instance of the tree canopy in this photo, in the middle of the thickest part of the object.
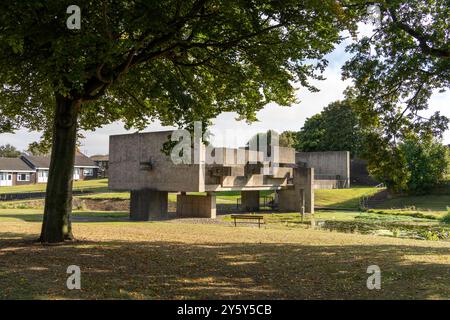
(176, 61)
(9, 151)
(398, 68)
(336, 128)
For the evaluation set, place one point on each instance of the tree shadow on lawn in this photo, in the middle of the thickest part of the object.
(171, 270)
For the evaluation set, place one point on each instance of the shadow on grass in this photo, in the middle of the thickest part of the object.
(171, 270)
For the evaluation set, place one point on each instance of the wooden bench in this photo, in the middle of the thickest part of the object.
(247, 217)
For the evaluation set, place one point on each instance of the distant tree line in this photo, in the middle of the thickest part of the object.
(10, 151)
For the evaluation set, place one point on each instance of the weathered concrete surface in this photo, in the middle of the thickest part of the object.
(137, 162)
(250, 200)
(290, 200)
(284, 155)
(148, 204)
(304, 180)
(329, 165)
(301, 194)
(329, 184)
(196, 206)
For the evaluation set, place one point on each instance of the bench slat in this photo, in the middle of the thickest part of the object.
(246, 217)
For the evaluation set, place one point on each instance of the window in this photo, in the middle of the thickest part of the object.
(23, 177)
(88, 172)
(43, 174)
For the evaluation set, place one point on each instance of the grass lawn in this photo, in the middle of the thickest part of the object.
(94, 185)
(35, 215)
(342, 198)
(155, 260)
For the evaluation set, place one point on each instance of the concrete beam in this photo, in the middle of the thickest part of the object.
(148, 205)
(194, 206)
(250, 200)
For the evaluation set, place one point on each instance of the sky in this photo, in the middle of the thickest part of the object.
(231, 133)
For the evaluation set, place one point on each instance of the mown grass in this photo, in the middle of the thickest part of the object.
(342, 198)
(97, 185)
(35, 215)
(163, 260)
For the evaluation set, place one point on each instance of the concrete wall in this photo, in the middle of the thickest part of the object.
(137, 162)
(330, 184)
(327, 165)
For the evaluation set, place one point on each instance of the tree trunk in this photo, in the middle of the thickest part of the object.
(56, 226)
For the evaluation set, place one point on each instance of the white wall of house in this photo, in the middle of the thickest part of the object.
(6, 179)
(76, 173)
(42, 176)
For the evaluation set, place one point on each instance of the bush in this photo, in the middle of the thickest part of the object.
(446, 219)
(427, 163)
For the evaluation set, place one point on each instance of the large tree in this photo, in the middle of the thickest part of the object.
(138, 61)
(395, 71)
(336, 128)
(397, 68)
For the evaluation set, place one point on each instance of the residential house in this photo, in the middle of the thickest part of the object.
(14, 171)
(84, 168)
(102, 161)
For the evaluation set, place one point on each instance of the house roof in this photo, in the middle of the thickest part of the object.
(99, 157)
(83, 161)
(37, 161)
(14, 164)
(43, 162)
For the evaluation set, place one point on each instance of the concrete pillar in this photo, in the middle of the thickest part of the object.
(290, 200)
(194, 206)
(250, 200)
(301, 195)
(146, 204)
(304, 179)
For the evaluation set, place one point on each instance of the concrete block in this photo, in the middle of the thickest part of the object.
(250, 200)
(148, 205)
(223, 171)
(195, 206)
(281, 172)
(283, 155)
(290, 200)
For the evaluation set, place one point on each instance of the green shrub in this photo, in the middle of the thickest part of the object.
(446, 219)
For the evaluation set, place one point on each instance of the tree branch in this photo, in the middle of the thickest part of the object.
(419, 36)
